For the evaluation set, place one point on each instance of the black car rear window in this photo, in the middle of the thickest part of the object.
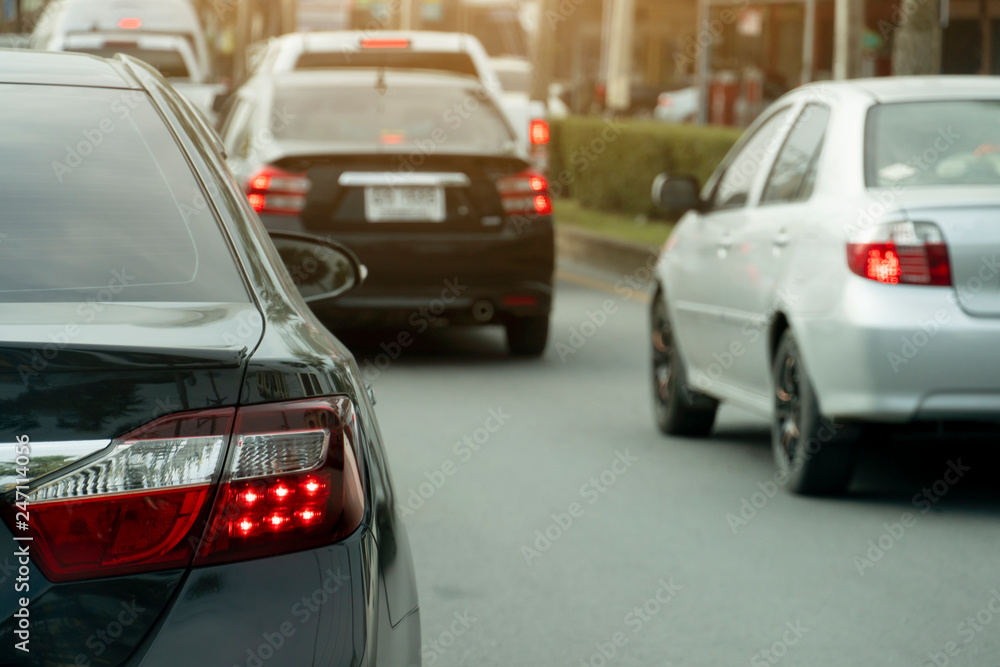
(457, 63)
(97, 200)
(396, 117)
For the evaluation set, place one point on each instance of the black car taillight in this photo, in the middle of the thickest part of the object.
(134, 507)
(275, 191)
(525, 193)
(143, 504)
(293, 482)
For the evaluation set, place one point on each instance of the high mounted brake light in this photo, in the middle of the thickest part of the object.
(376, 43)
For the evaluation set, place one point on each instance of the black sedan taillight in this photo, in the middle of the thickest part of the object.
(525, 193)
(291, 482)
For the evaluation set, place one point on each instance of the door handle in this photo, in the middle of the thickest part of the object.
(726, 242)
(782, 239)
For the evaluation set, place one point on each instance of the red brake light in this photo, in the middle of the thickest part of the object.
(539, 132)
(375, 43)
(278, 192)
(526, 193)
(310, 497)
(130, 23)
(904, 252)
(292, 482)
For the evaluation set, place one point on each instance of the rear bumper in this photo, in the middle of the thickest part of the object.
(454, 302)
(899, 353)
(323, 607)
(422, 280)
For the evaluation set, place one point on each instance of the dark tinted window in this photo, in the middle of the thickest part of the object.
(953, 142)
(170, 63)
(794, 173)
(97, 196)
(733, 187)
(459, 63)
(401, 117)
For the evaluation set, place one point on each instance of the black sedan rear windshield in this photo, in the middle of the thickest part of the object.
(96, 199)
(396, 117)
(951, 142)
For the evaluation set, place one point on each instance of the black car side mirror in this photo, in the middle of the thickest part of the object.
(321, 269)
(676, 194)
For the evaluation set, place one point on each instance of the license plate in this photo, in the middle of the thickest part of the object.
(404, 204)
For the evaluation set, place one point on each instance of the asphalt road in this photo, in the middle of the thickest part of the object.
(553, 525)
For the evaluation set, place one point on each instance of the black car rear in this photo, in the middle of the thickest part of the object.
(190, 471)
(420, 174)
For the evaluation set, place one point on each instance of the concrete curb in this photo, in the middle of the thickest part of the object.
(604, 253)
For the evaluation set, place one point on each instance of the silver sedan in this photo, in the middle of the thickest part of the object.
(838, 270)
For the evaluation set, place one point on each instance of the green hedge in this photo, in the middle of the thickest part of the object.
(610, 165)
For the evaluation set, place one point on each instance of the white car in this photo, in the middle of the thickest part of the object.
(64, 20)
(456, 53)
(171, 55)
(839, 270)
(164, 33)
(677, 106)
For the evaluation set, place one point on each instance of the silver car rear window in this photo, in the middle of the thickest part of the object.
(933, 143)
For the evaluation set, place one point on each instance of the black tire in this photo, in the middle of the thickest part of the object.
(679, 409)
(816, 454)
(527, 336)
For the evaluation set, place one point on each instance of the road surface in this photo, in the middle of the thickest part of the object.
(553, 525)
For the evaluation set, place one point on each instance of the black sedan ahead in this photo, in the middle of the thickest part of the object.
(420, 174)
(191, 472)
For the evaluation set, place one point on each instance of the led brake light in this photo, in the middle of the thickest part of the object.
(539, 132)
(525, 194)
(377, 43)
(901, 252)
(130, 23)
(277, 192)
(293, 482)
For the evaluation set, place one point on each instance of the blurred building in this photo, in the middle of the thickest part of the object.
(758, 50)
